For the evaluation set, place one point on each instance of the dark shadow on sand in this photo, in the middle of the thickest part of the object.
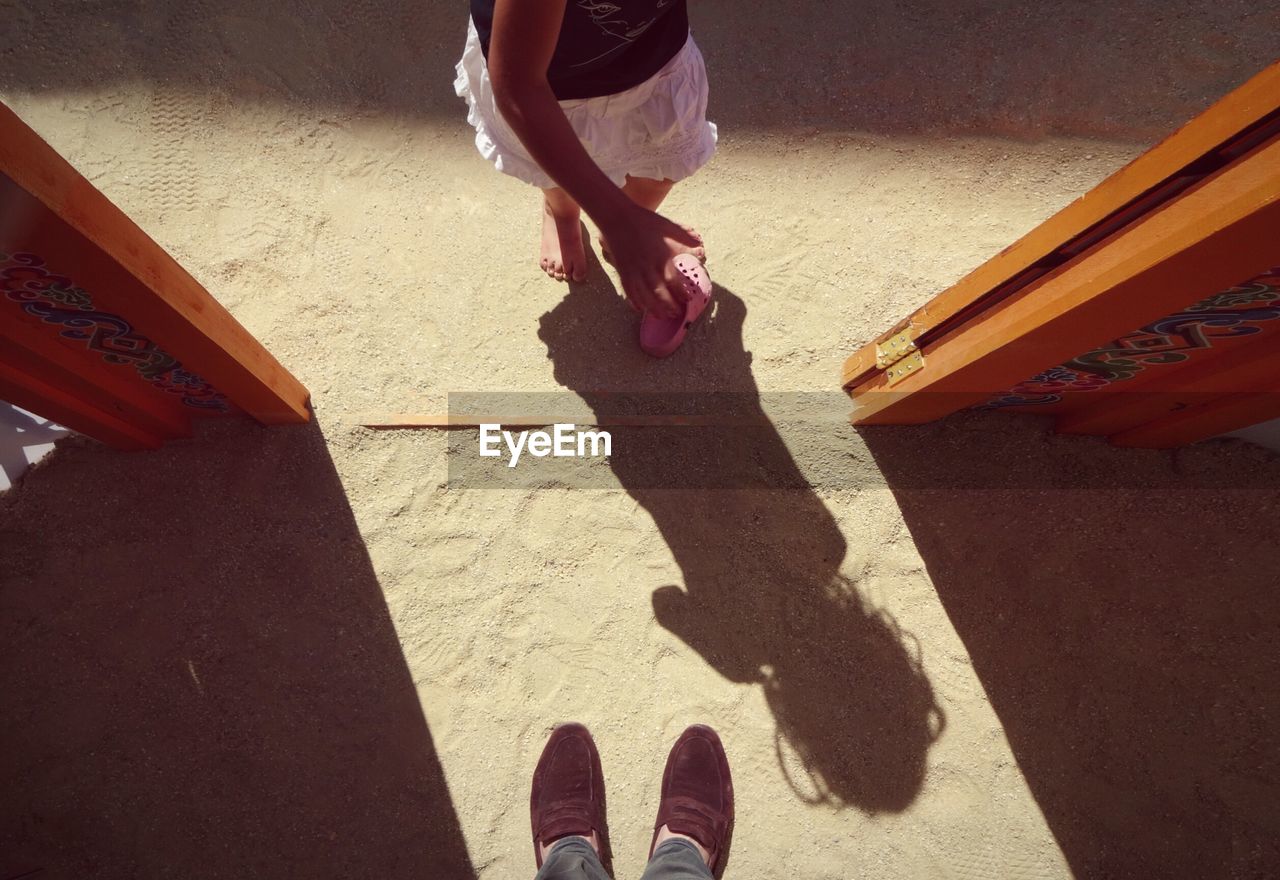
(1133, 70)
(1121, 610)
(200, 675)
(763, 598)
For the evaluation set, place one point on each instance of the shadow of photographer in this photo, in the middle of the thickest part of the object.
(201, 675)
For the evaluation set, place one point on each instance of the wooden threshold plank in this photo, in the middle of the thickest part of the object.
(445, 421)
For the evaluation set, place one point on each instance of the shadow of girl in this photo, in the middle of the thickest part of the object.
(763, 598)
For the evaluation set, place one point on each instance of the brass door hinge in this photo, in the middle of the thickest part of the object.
(899, 357)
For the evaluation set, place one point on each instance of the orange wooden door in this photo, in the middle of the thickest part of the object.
(100, 329)
(1147, 311)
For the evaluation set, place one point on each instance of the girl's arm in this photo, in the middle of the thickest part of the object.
(521, 43)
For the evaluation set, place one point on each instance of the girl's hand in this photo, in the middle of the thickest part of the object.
(643, 244)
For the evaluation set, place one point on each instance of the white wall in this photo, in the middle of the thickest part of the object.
(24, 440)
(1264, 434)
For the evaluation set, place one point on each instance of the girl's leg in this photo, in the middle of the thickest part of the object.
(647, 192)
(562, 251)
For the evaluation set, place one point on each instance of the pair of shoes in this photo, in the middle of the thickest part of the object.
(696, 798)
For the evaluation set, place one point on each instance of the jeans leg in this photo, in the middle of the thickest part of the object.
(676, 859)
(572, 859)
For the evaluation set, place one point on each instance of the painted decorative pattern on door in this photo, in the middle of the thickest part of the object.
(1221, 320)
(27, 284)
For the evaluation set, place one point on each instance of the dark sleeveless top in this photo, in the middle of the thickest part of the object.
(605, 46)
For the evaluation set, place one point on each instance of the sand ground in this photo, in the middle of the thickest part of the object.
(973, 650)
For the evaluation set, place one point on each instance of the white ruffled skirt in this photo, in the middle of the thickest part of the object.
(658, 129)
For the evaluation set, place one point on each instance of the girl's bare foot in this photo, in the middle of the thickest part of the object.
(563, 256)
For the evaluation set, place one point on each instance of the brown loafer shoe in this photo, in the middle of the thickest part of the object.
(568, 790)
(697, 793)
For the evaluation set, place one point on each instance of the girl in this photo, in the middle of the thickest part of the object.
(602, 104)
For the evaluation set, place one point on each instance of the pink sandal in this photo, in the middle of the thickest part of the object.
(662, 336)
